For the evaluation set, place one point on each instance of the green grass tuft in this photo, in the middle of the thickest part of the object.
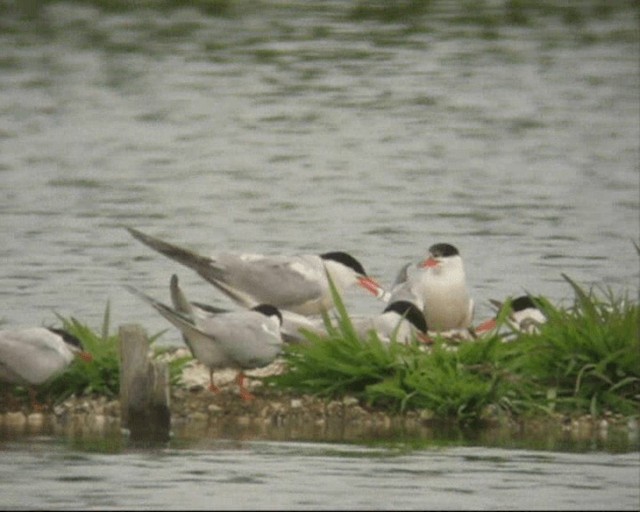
(101, 376)
(585, 359)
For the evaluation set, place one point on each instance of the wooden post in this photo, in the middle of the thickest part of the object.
(144, 388)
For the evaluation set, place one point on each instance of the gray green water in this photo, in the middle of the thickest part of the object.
(508, 129)
(266, 476)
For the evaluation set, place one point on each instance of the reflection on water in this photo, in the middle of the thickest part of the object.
(248, 465)
(269, 475)
(102, 434)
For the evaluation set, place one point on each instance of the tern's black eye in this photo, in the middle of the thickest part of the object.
(346, 259)
(443, 250)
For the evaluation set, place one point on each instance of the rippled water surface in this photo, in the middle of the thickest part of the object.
(263, 475)
(508, 130)
(328, 125)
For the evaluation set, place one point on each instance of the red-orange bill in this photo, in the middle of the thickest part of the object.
(423, 338)
(429, 263)
(371, 286)
(486, 326)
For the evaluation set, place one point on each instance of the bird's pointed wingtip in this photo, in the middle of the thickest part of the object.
(139, 293)
(496, 303)
(135, 233)
(131, 288)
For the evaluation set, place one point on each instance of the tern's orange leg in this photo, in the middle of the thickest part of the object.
(423, 338)
(35, 405)
(244, 392)
(12, 403)
(212, 387)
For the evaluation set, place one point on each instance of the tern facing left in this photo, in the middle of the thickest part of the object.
(400, 320)
(447, 304)
(297, 283)
(525, 316)
(242, 340)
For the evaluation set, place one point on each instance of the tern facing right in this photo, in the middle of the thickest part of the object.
(400, 320)
(31, 356)
(297, 283)
(245, 339)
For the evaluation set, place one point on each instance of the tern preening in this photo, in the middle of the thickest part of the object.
(401, 319)
(297, 283)
(524, 315)
(242, 340)
(31, 356)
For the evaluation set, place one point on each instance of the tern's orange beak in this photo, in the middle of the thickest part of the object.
(371, 285)
(430, 262)
(423, 338)
(85, 356)
(486, 326)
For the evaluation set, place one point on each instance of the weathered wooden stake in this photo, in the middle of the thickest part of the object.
(144, 388)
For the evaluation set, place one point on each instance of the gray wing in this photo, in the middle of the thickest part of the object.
(251, 279)
(402, 276)
(178, 298)
(31, 356)
(244, 339)
(282, 281)
(201, 343)
(203, 265)
(180, 254)
(292, 323)
(410, 291)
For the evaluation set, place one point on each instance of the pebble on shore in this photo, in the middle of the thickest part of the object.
(196, 412)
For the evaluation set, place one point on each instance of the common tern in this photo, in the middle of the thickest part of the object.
(242, 340)
(296, 283)
(437, 285)
(447, 304)
(31, 356)
(400, 318)
(407, 286)
(524, 316)
(291, 322)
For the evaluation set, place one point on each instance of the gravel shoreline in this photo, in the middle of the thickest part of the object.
(197, 413)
